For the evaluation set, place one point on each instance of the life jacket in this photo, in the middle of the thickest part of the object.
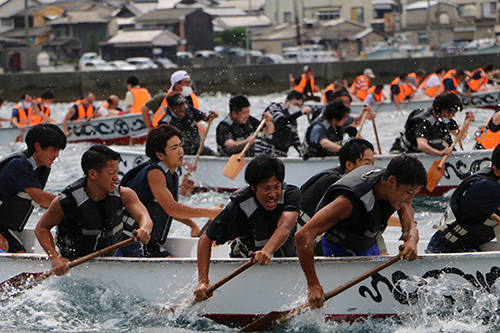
(82, 112)
(402, 89)
(137, 180)
(38, 119)
(487, 138)
(449, 75)
(160, 112)
(429, 91)
(246, 201)
(360, 86)
(16, 210)
(359, 231)
(378, 97)
(460, 236)
(141, 96)
(83, 229)
(238, 133)
(25, 115)
(408, 88)
(335, 134)
(303, 82)
(475, 84)
(327, 89)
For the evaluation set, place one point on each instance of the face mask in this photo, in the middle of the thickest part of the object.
(47, 105)
(294, 108)
(186, 91)
(26, 105)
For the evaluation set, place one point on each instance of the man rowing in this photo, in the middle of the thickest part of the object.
(260, 218)
(41, 108)
(88, 213)
(135, 97)
(82, 109)
(22, 113)
(355, 210)
(109, 108)
(467, 223)
(306, 84)
(429, 130)
(23, 177)
(156, 183)
(432, 83)
(480, 76)
(452, 79)
(361, 84)
(489, 137)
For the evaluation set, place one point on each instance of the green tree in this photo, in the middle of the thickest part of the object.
(235, 37)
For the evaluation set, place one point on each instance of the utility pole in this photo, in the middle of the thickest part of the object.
(297, 23)
(26, 22)
(247, 38)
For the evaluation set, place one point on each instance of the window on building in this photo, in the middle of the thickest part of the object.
(6, 22)
(287, 17)
(357, 14)
(487, 9)
(326, 15)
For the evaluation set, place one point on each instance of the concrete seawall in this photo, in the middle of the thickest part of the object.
(253, 79)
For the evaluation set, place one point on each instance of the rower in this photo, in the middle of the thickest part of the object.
(89, 212)
(355, 210)
(330, 89)
(361, 84)
(23, 177)
(305, 84)
(184, 117)
(430, 86)
(82, 109)
(412, 83)
(285, 125)
(41, 108)
(452, 79)
(355, 153)
(375, 95)
(22, 113)
(156, 183)
(489, 137)
(136, 96)
(261, 217)
(109, 108)
(467, 224)
(428, 130)
(325, 135)
(480, 76)
(236, 130)
(398, 90)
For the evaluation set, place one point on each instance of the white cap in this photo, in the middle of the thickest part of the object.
(178, 76)
(368, 72)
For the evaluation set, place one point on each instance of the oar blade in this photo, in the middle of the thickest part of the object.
(19, 283)
(266, 322)
(234, 166)
(187, 185)
(434, 175)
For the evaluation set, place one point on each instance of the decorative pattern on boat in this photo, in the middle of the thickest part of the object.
(475, 166)
(118, 126)
(489, 98)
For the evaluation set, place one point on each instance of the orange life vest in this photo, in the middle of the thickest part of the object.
(378, 97)
(25, 116)
(408, 88)
(141, 96)
(488, 139)
(429, 91)
(360, 86)
(327, 89)
(82, 112)
(402, 95)
(38, 119)
(160, 112)
(449, 75)
(474, 84)
(303, 82)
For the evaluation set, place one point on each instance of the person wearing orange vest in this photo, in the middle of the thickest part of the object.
(430, 86)
(181, 83)
(82, 109)
(398, 90)
(413, 82)
(41, 108)
(333, 87)
(305, 84)
(489, 137)
(109, 108)
(480, 76)
(22, 113)
(136, 96)
(451, 80)
(374, 95)
(361, 84)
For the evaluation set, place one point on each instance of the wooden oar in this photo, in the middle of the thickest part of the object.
(80, 126)
(221, 205)
(23, 281)
(187, 184)
(237, 161)
(436, 171)
(275, 317)
(376, 137)
(362, 122)
(209, 290)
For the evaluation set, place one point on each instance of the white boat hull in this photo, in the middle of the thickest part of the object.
(208, 175)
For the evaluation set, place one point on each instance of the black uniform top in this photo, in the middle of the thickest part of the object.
(228, 129)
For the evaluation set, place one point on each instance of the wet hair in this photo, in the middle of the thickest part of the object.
(420, 72)
(379, 87)
(157, 139)
(335, 110)
(339, 93)
(439, 70)
(352, 150)
(23, 96)
(237, 103)
(133, 80)
(447, 101)
(488, 67)
(495, 157)
(47, 135)
(262, 167)
(407, 169)
(294, 94)
(96, 158)
(459, 73)
(403, 76)
(47, 94)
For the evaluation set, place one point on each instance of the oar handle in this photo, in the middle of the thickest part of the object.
(79, 126)
(376, 137)
(462, 130)
(494, 79)
(495, 218)
(202, 143)
(363, 119)
(221, 205)
(228, 277)
(254, 135)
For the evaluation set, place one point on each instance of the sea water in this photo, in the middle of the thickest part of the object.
(72, 305)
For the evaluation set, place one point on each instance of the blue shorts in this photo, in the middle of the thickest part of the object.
(334, 250)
